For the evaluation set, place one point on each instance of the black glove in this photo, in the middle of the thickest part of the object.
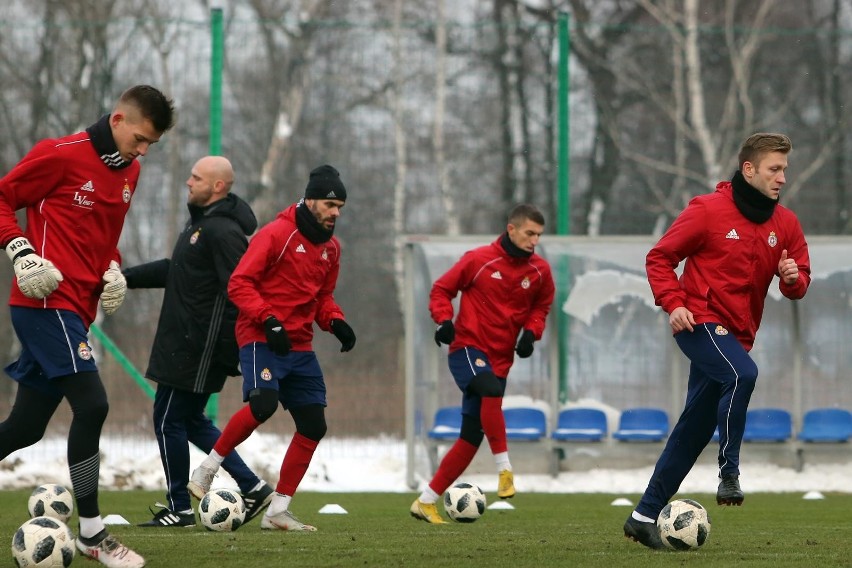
(445, 333)
(276, 336)
(525, 344)
(344, 333)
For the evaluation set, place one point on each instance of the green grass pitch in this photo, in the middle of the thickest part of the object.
(772, 530)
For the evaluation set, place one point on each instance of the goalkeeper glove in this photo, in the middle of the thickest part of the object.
(276, 336)
(114, 290)
(36, 276)
(344, 333)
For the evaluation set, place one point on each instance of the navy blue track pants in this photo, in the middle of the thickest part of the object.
(179, 419)
(722, 376)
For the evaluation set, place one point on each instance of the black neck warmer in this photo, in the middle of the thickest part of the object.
(755, 206)
(310, 227)
(511, 249)
(101, 137)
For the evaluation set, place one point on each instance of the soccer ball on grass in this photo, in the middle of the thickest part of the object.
(464, 502)
(51, 500)
(222, 510)
(684, 524)
(43, 542)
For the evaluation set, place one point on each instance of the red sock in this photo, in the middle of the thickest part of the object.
(453, 465)
(493, 423)
(238, 428)
(295, 464)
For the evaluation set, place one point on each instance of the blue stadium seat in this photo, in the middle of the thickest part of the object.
(447, 423)
(826, 425)
(580, 425)
(642, 425)
(527, 424)
(768, 425)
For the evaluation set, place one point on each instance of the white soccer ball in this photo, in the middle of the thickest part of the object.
(464, 502)
(51, 500)
(43, 542)
(222, 510)
(684, 524)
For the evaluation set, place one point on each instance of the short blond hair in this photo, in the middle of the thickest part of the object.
(756, 145)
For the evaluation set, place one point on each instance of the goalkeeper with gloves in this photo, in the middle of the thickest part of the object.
(506, 293)
(76, 191)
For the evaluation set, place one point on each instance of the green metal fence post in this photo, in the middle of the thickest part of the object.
(216, 62)
(563, 220)
(122, 359)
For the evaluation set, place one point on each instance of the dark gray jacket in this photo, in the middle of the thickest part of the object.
(194, 347)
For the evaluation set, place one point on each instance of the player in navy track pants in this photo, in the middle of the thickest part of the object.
(734, 242)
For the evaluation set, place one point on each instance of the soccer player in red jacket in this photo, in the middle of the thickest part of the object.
(735, 241)
(76, 191)
(282, 286)
(506, 294)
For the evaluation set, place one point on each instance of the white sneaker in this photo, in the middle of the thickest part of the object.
(284, 521)
(112, 553)
(200, 481)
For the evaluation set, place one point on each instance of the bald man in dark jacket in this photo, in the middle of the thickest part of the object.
(194, 348)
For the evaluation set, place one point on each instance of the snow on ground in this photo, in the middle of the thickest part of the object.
(379, 464)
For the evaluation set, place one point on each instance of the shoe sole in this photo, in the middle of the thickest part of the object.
(259, 510)
(275, 527)
(730, 502)
(425, 519)
(506, 496)
(196, 490)
(629, 536)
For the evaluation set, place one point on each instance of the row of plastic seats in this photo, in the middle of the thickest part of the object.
(651, 425)
(527, 424)
(819, 425)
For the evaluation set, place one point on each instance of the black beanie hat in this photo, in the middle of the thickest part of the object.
(325, 183)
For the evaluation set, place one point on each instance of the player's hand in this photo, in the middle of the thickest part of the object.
(276, 336)
(681, 319)
(115, 288)
(445, 333)
(344, 333)
(525, 348)
(36, 276)
(788, 270)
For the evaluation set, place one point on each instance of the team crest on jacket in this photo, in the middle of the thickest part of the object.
(194, 238)
(721, 330)
(84, 351)
(325, 254)
(266, 375)
(125, 193)
(772, 240)
(479, 362)
(525, 283)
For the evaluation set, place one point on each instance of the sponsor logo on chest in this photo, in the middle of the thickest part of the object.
(85, 196)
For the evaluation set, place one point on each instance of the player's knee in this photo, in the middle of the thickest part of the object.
(263, 403)
(310, 421)
(92, 410)
(313, 430)
(15, 435)
(747, 377)
(487, 385)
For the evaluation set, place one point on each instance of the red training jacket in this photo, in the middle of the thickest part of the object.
(76, 207)
(284, 274)
(730, 262)
(501, 294)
